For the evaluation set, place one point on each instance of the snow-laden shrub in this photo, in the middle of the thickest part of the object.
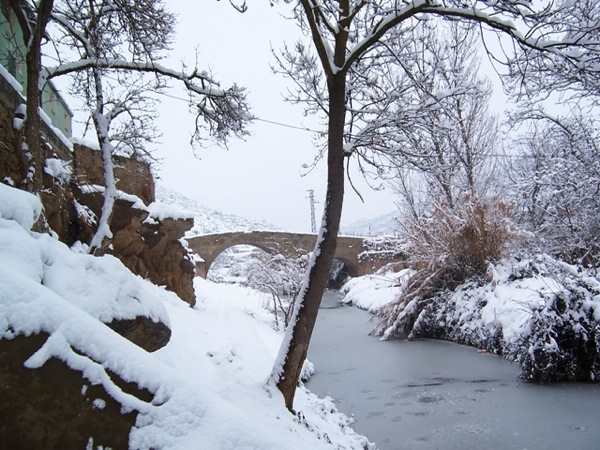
(564, 342)
(542, 313)
(281, 277)
(458, 317)
(446, 247)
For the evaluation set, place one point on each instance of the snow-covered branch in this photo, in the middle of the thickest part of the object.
(198, 82)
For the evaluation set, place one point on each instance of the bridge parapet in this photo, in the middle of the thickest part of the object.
(350, 250)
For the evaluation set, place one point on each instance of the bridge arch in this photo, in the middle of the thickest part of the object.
(349, 249)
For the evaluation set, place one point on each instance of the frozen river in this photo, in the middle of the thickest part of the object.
(429, 394)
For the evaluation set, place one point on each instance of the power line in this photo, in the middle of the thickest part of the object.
(273, 122)
(302, 128)
(287, 125)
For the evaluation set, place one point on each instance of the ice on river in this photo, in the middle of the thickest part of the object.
(427, 394)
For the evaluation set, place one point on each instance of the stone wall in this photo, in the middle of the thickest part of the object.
(133, 175)
(11, 160)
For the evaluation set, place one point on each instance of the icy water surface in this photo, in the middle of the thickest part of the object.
(429, 394)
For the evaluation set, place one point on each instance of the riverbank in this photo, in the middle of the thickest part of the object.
(540, 312)
(427, 394)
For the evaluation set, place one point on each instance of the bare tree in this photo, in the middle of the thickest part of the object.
(450, 146)
(550, 40)
(119, 45)
(111, 42)
(556, 179)
(282, 277)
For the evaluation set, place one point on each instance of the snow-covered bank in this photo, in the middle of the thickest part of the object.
(208, 382)
(429, 394)
(543, 313)
(372, 292)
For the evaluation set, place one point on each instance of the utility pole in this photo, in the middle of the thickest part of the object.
(313, 222)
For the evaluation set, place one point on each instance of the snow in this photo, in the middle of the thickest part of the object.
(209, 382)
(89, 143)
(11, 80)
(372, 292)
(160, 211)
(59, 169)
(19, 206)
(134, 199)
(18, 123)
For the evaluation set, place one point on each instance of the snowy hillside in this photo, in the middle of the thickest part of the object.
(206, 220)
(208, 382)
(376, 226)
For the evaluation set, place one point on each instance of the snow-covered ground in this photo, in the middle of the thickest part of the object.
(208, 382)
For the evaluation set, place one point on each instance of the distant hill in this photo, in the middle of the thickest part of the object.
(376, 226)
(207, 220)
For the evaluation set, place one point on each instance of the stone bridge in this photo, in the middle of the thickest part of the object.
(349, 249)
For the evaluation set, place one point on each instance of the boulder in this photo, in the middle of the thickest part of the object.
(143, 332)
(55, 407)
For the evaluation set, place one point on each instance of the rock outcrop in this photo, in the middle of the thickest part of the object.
(149, 247)
(55, 407)
(143, 332)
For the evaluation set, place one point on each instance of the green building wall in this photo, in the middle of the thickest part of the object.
(12, 57)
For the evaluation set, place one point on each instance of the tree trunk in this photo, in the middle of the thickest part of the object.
(33, 179)
(102, 125)
(318, 272)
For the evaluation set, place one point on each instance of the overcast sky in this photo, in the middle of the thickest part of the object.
(261, 178)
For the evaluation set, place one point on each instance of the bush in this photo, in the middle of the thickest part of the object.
(281, 277)
(447, 247)
(564, 344)
(541, 313)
